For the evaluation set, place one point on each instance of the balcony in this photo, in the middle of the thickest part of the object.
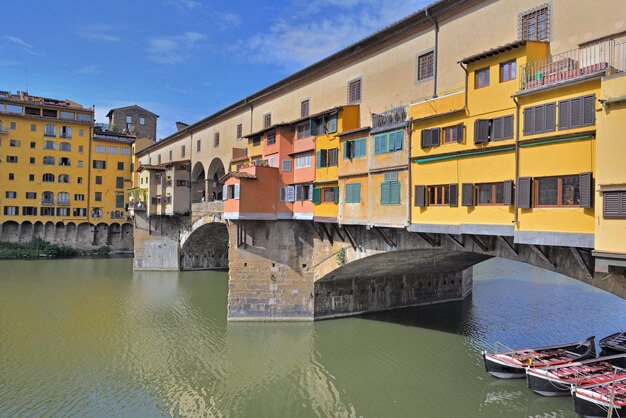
(138, 198)
(578, 64)
(66, 136)
(3, 131)
(47, 202)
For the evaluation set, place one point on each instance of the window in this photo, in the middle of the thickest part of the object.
(534, 24)
(256, 141)
(216, 140)
(182, 151)
(98, 197)
(170, 156)
(198, 145)
(10, 195)
(48, 160)
(101, 149)
(63, 198)
(10, 210)
(47, 212)
(66, 132)
(119, 182)
(270, 138)
(388, 142)
(65, 146)
(33, 127)
(430, 137)
(29, 211)
(31, 160)
(31, 195)
(63, 211)
(124, 151)
(67, 115)
(354, 149)
(142, 121)
(47, 198)
(12, 176)
(438, 195)
(354, 91)
(119, 201)
(113, 150)
(31, 177)
(490, 194)
(267, 120)
(49, 145)
(79, 197)
(64, 161)
(286, 165)
(557, 191)
(49, 113)
(98, 179)
(304, 108)
(452, 134)
(50, 130)
(353, 193)
(390, 189)
(540, 119)
(239, 131)
(614, 205)
(302, 161)
(129, 119)
(84, 117)
(79, 212)
(425, 66)
(120, 165)
(159, 158)
(15, 143)
(507, 71)
(304, 130)
(332, 124)
(33, 144)
(13, 109)
(80, 164)
(481, 78)
(99, 164)
(179, 183)
(577, 112)
(288, 194)
(81, 132)
(64, 178)
(496, 129)
(47, 178)
(79, 180)
(333, 157)
(329, 194)
(321, 158)
(303, 192)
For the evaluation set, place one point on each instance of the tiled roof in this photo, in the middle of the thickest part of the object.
(494, 51)
(237, 175)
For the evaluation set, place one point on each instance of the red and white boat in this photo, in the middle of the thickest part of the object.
(598, 399)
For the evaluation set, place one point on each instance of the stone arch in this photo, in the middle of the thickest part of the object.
(101, 234)
(39, 230)
(49, 230)
(214, 173)
(59, 232)
(10, 231)
(26, 231)
(206, 248)
(198, 183)
(85, 233)
(70, 232)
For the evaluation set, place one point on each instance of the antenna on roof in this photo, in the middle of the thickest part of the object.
(26, 78)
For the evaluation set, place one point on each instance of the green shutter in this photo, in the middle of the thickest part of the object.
(394, 193)
(345, 150)
(317, 196)
(356, 193)
(332, 124)
(336, 193)
(384, 193)
(318, 159)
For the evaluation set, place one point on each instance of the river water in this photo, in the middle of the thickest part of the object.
(88, 337)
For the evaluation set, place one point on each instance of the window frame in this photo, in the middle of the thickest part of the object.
(559, 194)
(477, 78)
(494, 194)
(429, 66)
(508, 69)
(438, 191)
(355, 95)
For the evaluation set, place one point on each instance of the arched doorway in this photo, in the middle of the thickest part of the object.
(215, 173)
(198, 183)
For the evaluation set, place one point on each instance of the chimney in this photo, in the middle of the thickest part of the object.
(181, 125)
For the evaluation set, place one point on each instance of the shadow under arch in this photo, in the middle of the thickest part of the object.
(214, 173)
(206, 248)
(198, 179)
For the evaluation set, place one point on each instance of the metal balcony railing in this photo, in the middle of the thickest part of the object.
(575, 64)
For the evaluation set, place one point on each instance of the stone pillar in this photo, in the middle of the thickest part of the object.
(157, 250)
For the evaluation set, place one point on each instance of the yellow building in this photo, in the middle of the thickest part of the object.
(44, 159)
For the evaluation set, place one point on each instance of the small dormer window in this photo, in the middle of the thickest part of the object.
(482, 78)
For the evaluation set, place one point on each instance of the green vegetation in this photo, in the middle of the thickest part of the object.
(39, 248)
(341, 257)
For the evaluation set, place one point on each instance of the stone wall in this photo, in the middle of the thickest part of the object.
(157, 242)
(118, 237)
(148, 130)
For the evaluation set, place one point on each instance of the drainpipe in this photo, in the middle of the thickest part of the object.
(408, 195)
(466, 82)
(517, 158)
(436, 54)
(190, 169)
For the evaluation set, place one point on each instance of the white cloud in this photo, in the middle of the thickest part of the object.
(89, 70)
(323, 27)
(184, 4)
(100, 33)
(174, 49)
(8, 63)
(20, 43)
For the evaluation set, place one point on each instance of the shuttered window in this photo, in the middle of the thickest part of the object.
(317, 196)
(271, 138)
(288, 194)
(420, 196)
(300, 195)
(577, 112)
(304, 108)
(540, 119)
(564, 191)
(354, 91)
(454, 195)
(333, 155)
(321, 158)
(430, 137)
(490, 194)
(332, 124)
(496, 129)
(452, 134)
(354, 149)
(524, 192)
(353, 193)
(388, 142)
(439, 195)
(481, 131)
(614, 205)
(286, 165)
(467, 192)
(390, 189)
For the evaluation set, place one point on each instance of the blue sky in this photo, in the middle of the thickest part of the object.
(182, 59)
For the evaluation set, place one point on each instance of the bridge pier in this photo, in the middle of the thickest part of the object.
(156, 242)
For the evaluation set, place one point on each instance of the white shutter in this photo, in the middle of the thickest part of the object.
(225, 192)
(236, 191)
(291, 191)
(310, 192)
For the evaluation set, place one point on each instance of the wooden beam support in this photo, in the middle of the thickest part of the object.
(386, 238)
(314, 230)
(336, 229)
(581, 262)
(432, 241)
(508, 245)
(350, 237)
(480, 243)
(328, 234)
(460, 243)
(541, 254)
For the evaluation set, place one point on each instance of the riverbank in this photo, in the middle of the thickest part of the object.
(38, 248)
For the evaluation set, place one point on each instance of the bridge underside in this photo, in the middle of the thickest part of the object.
(206, 248)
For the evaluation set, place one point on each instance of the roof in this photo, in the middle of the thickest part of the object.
(493, 51)
(130, 107)
(160, 167)
(354, 131)
(414, 21)
(293, 122)
(237, 175)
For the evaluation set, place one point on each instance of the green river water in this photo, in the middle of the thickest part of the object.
(88, 337)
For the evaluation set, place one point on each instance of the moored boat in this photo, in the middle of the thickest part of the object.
(557, 380)
(613, 344)
(596, 400)
(513, 364)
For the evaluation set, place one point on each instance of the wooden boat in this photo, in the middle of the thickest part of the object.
(557, 380)
(596, 400)
(513, 364)
(613, 344)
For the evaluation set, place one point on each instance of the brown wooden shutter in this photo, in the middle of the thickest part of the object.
(508, 192)
(564, 117)
(454, 195)
(435, 137)
(467, 198)
(524, 192)
(550, 117)
(540, 119)
(497, 129)
(420, 196)
(589, 110)
(614, 204)
(481, 131)
(426, 134)
(529, 121)
(576, 112)
(459, 132)
(586, 190)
